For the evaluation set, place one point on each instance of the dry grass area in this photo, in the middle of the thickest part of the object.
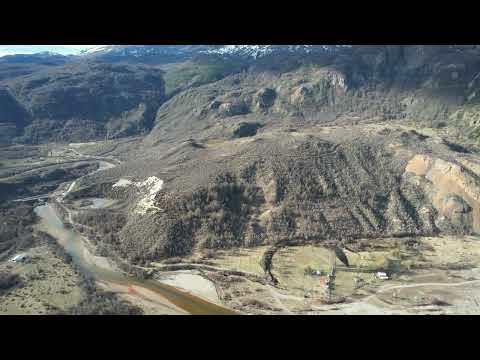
(453, 252)
(290, 266)
(16, 160)
(245, 260)
(115, 148)
(431, 277)
(297, 290)
(47, 283)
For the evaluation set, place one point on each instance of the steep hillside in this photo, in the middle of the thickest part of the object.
(12, 117)
(12, 66)
(433, 86)
(42, 58)
(82, 101)
(323, 184)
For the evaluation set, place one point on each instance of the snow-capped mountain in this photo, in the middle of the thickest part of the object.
(41, 57)
(166, 53)
(137, 50)
(142, 53)
(257, 51)
(96, 49)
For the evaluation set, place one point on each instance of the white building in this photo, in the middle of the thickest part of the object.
(19, 258)
(382, 275)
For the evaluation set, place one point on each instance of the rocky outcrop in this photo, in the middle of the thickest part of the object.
(265, 98)
(456, 215)
(246, 129)
(301, 94)
(453, 190)
(233, 108)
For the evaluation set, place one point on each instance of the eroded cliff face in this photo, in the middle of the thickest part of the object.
(453, 189)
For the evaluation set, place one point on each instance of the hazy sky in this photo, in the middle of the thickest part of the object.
(30, 49)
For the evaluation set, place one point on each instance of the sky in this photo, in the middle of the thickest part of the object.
(30, 49)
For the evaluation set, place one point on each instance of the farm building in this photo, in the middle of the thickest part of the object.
(382, 275)
(19, 258)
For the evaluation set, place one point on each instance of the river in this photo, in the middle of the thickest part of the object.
(100, 269)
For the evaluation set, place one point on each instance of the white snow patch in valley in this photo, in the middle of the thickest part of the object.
(122, 183)
(150, 187)
(70, 188)
(95, 49)
(76, 145)
(153, 186)
(154, 183)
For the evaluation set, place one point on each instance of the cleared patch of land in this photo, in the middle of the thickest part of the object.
(432, 275)
(246, 260)
(47, 284)
(193, 282)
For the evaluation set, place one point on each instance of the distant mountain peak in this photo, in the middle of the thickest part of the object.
(257, 51)
(165, 53)
(96, 49)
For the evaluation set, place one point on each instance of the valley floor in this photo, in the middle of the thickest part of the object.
(445, 279)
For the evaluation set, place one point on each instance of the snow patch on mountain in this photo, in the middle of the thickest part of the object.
(96, 49)
(246, 51)
(122, 183)
(150, 188)
(257, 51)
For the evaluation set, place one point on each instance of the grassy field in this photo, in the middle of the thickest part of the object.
(407, 266)
(289, 265)
(453, 252)
(47, 283)
(246, 260)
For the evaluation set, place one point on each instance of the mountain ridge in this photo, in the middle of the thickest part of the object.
(151, 53)
(439, 83)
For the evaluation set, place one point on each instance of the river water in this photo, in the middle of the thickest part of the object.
(100, 270)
